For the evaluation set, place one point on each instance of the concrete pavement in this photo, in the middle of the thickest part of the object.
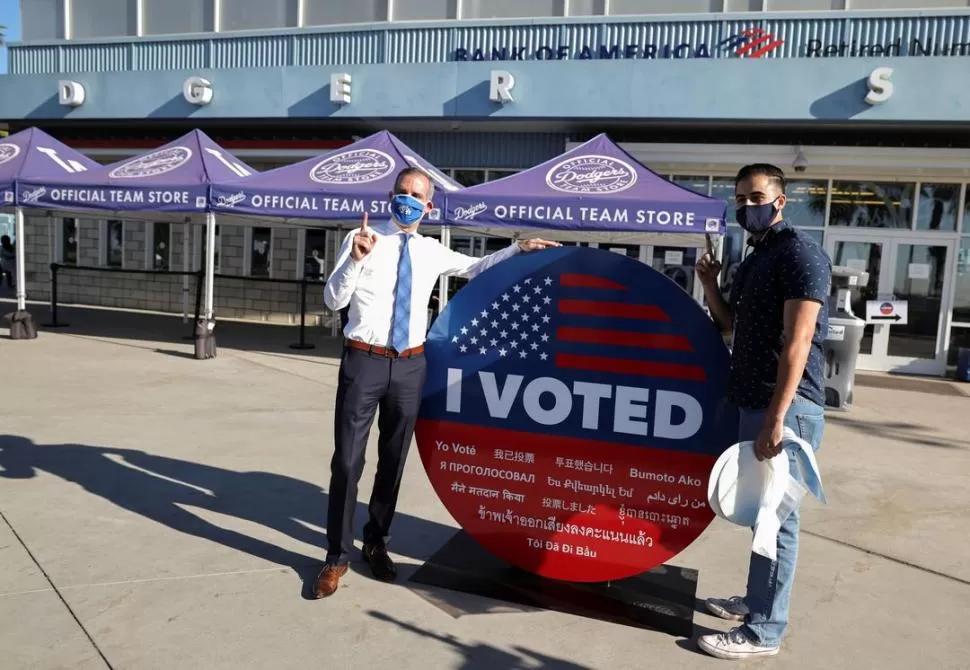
(162, 512)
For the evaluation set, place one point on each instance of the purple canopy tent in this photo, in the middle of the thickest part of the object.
(27, 155)
(339, 185)
(594, 192)
(169, 182)
(174, 178)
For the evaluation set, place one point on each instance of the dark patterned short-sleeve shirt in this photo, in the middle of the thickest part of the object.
(785, 264)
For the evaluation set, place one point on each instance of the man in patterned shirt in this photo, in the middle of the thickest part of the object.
(778, 315)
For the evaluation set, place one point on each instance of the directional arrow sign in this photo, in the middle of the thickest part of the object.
(893, 312)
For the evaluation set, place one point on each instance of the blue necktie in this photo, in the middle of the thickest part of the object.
(400, 325)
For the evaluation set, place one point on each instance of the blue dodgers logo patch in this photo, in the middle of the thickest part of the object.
(572, 413)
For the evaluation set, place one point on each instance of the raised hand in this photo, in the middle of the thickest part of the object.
(536, 243)
(708, 267)
(364, 241)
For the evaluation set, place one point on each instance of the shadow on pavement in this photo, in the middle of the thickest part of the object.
(906, 433)
(156, 487)
(480, 656)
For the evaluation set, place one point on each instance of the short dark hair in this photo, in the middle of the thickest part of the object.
(415, 171)
(772, 172)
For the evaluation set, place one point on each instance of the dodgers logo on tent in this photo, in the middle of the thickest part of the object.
(359, 166)
(8, 152)
(572, 413)
(592, 174)
(153, 164)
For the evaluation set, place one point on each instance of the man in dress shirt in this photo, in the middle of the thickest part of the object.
(384, 277)
(778, 315)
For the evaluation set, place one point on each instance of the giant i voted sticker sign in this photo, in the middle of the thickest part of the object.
(573, 410)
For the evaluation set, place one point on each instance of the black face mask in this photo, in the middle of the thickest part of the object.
(756, 219)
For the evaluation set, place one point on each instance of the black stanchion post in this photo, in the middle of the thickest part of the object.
(54, 323)
(199, 281)
(303, 344)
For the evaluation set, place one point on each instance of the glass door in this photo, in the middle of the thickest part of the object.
(903, 268)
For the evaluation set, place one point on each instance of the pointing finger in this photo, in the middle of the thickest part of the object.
(363, 224)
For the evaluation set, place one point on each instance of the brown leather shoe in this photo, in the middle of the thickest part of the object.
(328, 580)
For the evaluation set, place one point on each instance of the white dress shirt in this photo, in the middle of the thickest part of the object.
(368, 285)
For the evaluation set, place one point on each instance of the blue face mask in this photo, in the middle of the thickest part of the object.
(406, 209)
(756, 219)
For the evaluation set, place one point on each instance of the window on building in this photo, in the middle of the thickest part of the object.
(677, 264)
(635, 7)
(628, 250)
(872, 204)
(501, 9)
(937, 207)
(805, 204)
(470, 177)
(103, 18)
(202, 249)
(161, 246)
(961, 293)
(587, 7)
(499, 174)
(315, 255)
(959, 338)
(493, 244)
(328, 12)
(169, 17)
(257, 14)
(424, 10)
(68, 241)
(697, 184)
(261, 252)
(732, 254)
(723, 188)
(41, 20)
(114, 243)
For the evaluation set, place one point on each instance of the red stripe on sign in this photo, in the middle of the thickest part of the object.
(623, 338)
(771, 46)
(753, 44)
(615, 309)
(589, 281)
(693, 373)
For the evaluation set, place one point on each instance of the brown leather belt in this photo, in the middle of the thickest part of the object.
(387, 352)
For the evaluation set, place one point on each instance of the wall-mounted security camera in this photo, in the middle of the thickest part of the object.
(800, 164)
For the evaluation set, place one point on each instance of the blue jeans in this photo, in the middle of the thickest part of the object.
(770, 582)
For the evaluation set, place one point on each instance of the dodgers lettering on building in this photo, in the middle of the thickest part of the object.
(572, 412)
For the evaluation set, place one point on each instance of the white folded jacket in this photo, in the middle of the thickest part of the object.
(762, 494)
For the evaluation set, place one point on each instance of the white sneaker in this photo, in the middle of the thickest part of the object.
(733, 645)
(732, 609)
